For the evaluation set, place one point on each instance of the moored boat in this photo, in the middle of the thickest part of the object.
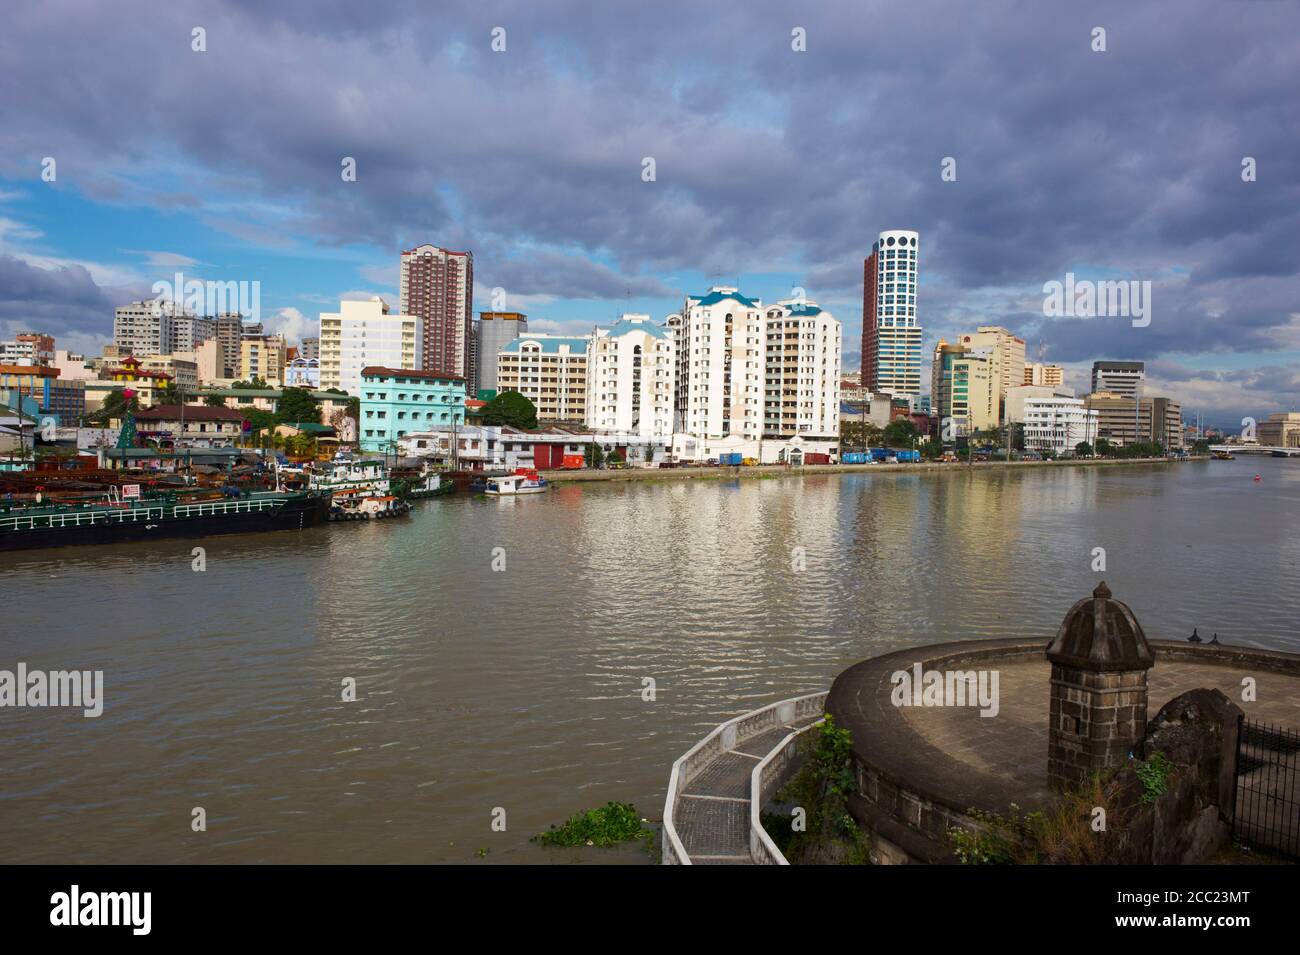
(156, 516)
(523, 481)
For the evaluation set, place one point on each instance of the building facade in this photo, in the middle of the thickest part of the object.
(802, 371)
(494, 331)
(191, 426)
(302, 372)
(1058, 424)
(891, 332)
(363, 333)
(1155, 419)
(1118, 377)
(964, 390)
(437, 287)
(720, 340)
(1006, 356)
(262, 356)
(1049, 376)
(65, 399)
(28, 348)
(1281, 430)
(632, 378)
(396, 402)
(550, 371)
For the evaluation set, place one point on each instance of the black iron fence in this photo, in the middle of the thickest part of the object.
(1266, 813)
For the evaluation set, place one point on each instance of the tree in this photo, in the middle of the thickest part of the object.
(856, 435)
(258, 384)
(1104, 447)
(114, 406)
(1083, 449)
(297, 406)
(899, 433)
(170, 394)
(595, 456)
(214, 401)
(511, 409)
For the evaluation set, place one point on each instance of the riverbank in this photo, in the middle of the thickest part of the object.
(777, 471)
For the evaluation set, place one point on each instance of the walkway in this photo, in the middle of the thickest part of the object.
(709, 815)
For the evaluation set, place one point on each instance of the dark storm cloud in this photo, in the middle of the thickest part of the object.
(1067, 160)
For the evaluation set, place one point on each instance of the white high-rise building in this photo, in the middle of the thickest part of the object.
(1058, 424)
(631, 378)
(720, 342)
(891, 333)
(149, 327)
(362, 333)
(802, 379)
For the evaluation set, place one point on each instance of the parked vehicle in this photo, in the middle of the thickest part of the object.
(907, 456)
(855, 457)
(750, 462)
(732, 459)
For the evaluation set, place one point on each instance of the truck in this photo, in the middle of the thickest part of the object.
(907, 457)
(855, 457)
(816, 457)
(732, 459)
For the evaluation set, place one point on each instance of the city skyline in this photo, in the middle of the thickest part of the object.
(545, 182)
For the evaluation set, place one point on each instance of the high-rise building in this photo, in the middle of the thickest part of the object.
(720, 341)
(550, 371)
(964, 389)
(148, 327)
(309, 348)
(891, 334)
(229, 333)
(802, 376)
(262, 356)
(631, 378)
(494, 331)
(1007, 354)
(437, 286)
(362, 333)
(1118, 377)
(1049, 376)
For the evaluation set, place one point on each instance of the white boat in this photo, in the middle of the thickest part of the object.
(346, 473)
(526, 482)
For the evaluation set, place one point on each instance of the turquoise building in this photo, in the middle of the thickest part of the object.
(398, 401)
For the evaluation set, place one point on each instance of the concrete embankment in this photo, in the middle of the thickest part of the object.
(778, 471)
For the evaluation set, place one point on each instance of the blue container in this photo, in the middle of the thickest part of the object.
(731, 459)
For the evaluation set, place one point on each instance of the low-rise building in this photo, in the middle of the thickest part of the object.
(478, 447)
(1281, 430)
(1057, 423)
(192, 426)
(397, 401)
(302, 372)
(1156, 418)
(63, 399)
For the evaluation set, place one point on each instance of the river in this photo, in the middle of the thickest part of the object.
(521, 688)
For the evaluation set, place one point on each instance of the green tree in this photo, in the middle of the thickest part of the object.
(511, 409)
(1104, 447)
(114, 406)
(170, 394)
(296, 406)
(899, 433)
(1083, 449)
(214, 401)
(595, 456)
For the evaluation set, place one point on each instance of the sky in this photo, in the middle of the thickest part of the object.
(774, 168)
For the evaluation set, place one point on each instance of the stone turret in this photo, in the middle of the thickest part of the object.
(1100, 659)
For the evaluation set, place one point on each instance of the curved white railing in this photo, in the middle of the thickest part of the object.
(724, 738)
(768, 776)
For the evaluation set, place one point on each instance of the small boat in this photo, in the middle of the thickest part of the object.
(348, 473)
(362, 505)
(417, 487)
(1223, 455)
(523, 481)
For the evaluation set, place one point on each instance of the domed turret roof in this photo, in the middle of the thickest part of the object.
(1100, 633)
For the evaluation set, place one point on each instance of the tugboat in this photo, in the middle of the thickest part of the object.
(362, 505)
(1223, 455)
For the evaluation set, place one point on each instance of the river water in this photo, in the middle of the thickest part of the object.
(522, 689)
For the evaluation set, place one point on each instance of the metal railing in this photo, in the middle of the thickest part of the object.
(722, 739)
(769, 775)
(1266, 809)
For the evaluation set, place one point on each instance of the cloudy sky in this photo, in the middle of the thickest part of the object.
(773, 168)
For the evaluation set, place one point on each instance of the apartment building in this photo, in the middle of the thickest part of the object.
(1006, 354)
(396, 402)
(262, 356)
(1049, 376)
(363, 333)
(632, 378)
(720, 341)
(802, 371)
(28, 348)
(550, 371)
(437, 286)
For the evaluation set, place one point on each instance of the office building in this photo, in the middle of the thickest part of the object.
(1118, 377)
(493, 332)
(891, 332)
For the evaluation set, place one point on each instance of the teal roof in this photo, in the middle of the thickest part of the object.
(549, 346)
(622, 327)
(713, 298)
(808, 309)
